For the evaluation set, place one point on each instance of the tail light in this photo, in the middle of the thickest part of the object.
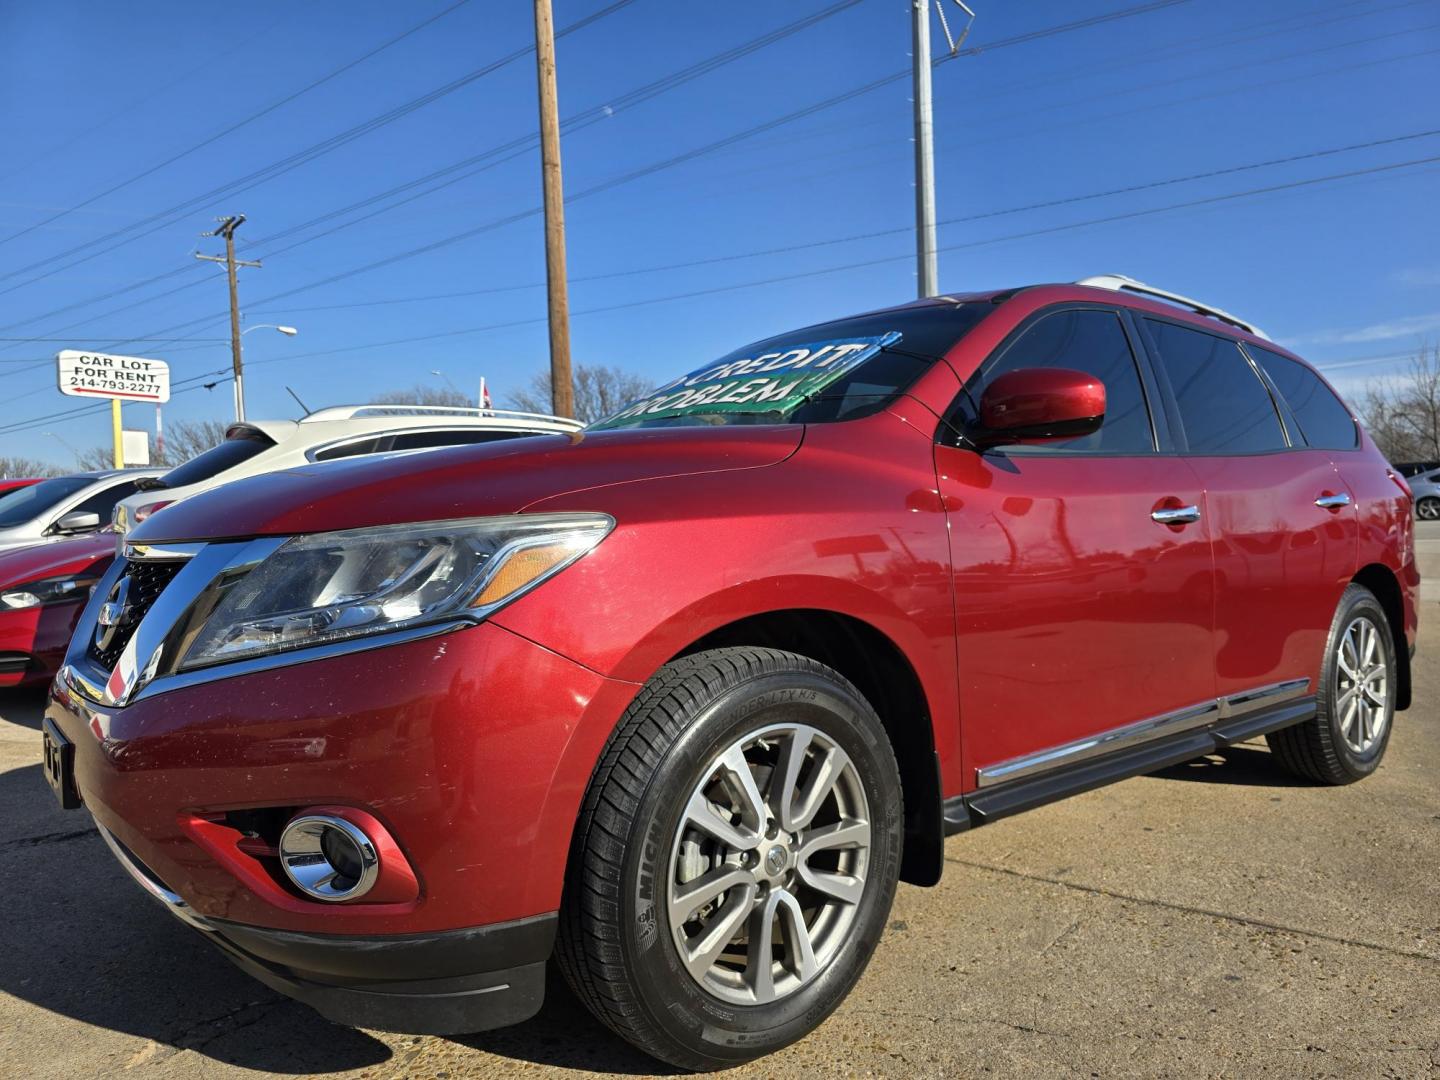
(143, 512)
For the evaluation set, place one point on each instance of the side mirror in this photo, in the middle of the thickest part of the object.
(1039, 405)
(77, 521)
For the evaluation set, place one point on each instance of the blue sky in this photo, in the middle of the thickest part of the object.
(97, 94)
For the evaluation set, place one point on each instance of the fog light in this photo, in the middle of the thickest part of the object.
(328, 857)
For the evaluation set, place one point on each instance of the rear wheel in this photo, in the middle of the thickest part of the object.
(1428, 509)
(735, 859)
(1347, 737)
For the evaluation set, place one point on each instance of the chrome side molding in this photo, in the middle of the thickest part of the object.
(142, 875)
(1157, 727)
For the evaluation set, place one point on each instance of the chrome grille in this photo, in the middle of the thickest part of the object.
(148, 579)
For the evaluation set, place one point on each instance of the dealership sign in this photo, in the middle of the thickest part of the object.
(129, 378)
(770, 382)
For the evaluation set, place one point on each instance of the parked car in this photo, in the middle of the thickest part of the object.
(11, 485)
(259, 446)
(43, 589)
(1426, 489)
(678, 700)
(1408, 469)
(65, 505)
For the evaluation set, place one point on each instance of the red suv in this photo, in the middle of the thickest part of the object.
(677, 700)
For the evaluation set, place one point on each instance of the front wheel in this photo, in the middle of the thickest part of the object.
(1355, 706)
(735, 858)
(1428, 509)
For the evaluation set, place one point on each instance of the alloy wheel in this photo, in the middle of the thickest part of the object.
(768, 864)
(1361, 685)
(1428, 509)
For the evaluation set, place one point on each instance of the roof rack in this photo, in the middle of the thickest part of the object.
(382, 409)
(1121, 283)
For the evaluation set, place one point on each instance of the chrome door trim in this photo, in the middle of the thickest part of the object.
(1142, 731)
(1272, 694)
(1093, 746)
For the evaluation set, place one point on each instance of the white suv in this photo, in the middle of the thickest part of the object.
(260, 446)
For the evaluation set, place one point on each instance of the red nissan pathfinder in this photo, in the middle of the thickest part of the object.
(676, 701)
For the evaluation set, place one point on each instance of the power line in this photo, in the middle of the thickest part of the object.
(284, 165)
(231, 129)
(492, 157)
(34, 422)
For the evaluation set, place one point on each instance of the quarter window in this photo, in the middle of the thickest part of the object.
(1223, 405)
(1324, 421)
(1094, 342)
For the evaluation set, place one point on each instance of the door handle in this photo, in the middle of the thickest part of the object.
(1176, 515)
(1333, 502)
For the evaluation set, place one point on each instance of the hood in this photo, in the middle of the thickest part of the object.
(463, 481)
(56, 558)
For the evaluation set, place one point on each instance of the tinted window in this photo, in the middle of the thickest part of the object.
(236, 448)
(1093, 342)
(416, 440)
(1323, 420)
(26, 504)
(352, 449)
(1224, 406)
(103, 502)
(787, 379)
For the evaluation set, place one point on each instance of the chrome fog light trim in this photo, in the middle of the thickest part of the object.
(329, 858)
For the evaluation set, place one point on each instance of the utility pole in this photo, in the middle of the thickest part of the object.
(562, 390)
(227, 228)
(927, 265)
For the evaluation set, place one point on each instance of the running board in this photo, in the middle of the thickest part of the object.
(989, 804)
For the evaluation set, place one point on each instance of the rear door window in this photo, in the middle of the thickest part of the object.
(1093, 341)
(1224, 407)
(1324, 420)
(236, 448)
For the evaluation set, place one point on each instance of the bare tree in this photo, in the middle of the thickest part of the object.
(14, 468)
(599, 392)
(184, 439)
(420, 394)
(1403, 414)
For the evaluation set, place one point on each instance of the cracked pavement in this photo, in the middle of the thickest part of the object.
(1218, 918)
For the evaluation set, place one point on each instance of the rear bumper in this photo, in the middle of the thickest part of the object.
(444, 983)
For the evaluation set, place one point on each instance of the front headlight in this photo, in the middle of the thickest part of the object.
(56, 590)
(331, 586)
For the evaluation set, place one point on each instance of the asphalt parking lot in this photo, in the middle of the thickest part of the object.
(1215, 919)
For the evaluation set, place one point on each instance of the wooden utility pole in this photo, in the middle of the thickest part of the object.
(227, 228)
(562, 389)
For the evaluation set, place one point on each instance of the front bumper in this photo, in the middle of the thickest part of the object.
(445, 983)
(33, 642)
(472, 748)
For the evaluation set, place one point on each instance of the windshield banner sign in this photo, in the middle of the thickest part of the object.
(770, 382)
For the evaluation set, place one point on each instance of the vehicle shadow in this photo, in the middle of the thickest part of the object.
(83, 942)
(23, 707)
(564, 1035)
(86, 944)
(1245, 765)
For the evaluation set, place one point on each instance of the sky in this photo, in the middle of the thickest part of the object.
(1279, 160)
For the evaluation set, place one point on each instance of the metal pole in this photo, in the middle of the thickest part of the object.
(227, 229)
(118, 432)
(927, 270)
(562, 391)
(236, 361)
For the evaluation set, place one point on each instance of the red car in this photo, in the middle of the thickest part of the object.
(11, 485)
(43, 589)
(678, 700)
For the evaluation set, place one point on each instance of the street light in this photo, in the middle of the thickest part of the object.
(288, 331)
(448, 382)
(65, 443)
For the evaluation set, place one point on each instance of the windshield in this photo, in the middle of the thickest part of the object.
(26, 504)
(241, 446)
(822, 374)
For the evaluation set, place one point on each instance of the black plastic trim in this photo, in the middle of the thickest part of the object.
(992, 803)
(447, 983)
